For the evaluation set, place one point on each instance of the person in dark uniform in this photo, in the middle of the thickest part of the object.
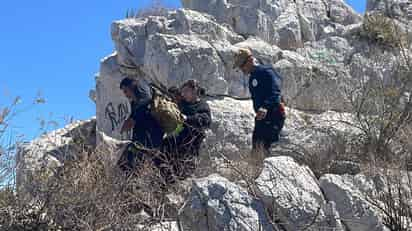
(147, 133)
(265, 89)
(183, 148)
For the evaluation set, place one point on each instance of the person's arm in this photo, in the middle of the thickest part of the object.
(138, 111)
(143, 97)
(127, 125)
(273, 98)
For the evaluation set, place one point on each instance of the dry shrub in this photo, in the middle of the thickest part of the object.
(245, 170)
(85, 194)
(378, 28)
(15, 215)
(382, 107)
(393, 199)
(333, 148)
(234, 165)
(397, 205)
(383, 115)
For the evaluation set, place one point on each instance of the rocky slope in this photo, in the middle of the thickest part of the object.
(320, 49)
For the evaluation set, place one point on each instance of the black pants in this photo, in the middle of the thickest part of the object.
(134, 156)
(267, 131)
(130, 158)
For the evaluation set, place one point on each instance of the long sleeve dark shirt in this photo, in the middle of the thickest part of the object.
(265, 87)
(198, 114)
(146, 130)
(198, 120)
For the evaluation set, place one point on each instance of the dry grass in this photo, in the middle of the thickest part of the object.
(86, 195)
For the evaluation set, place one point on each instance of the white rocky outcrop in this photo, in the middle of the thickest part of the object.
(250, 18)
(173, 59)
(185, 43)
(217, 204)
(313, 87)
(165, 49)
(340, 12)
(292, 191)
(110, 150)
(50, 151)
(285, 23)
(233, 121)
(318, 49)
(112, 107)
(352, 196)
(401, 9)
(130, 35)
(200, 41)
(230, 135)
(231, 130)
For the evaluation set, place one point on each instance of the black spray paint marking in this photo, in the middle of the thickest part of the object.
(116, 115)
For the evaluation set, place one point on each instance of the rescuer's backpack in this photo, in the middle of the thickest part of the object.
(166, 113)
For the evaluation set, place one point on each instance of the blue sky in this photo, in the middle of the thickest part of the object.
(54, 48)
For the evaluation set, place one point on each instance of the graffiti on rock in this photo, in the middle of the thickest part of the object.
(116, 115)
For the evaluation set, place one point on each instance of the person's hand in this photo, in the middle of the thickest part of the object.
(261, 114)
(127, 125)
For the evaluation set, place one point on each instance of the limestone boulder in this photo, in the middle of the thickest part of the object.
(330, 50)
(130, 35)
(340, 12)
(276, 22)
(218, 204)
(350, 194)
(112, 107)
(399, 9)
(293, 192)
(231, 130)
(309, 85)
(233, 122)
(173, 59)
(288, 34)
(47, 153)
(110, 150)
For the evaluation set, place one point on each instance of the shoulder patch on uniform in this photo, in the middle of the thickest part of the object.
(254, 83)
